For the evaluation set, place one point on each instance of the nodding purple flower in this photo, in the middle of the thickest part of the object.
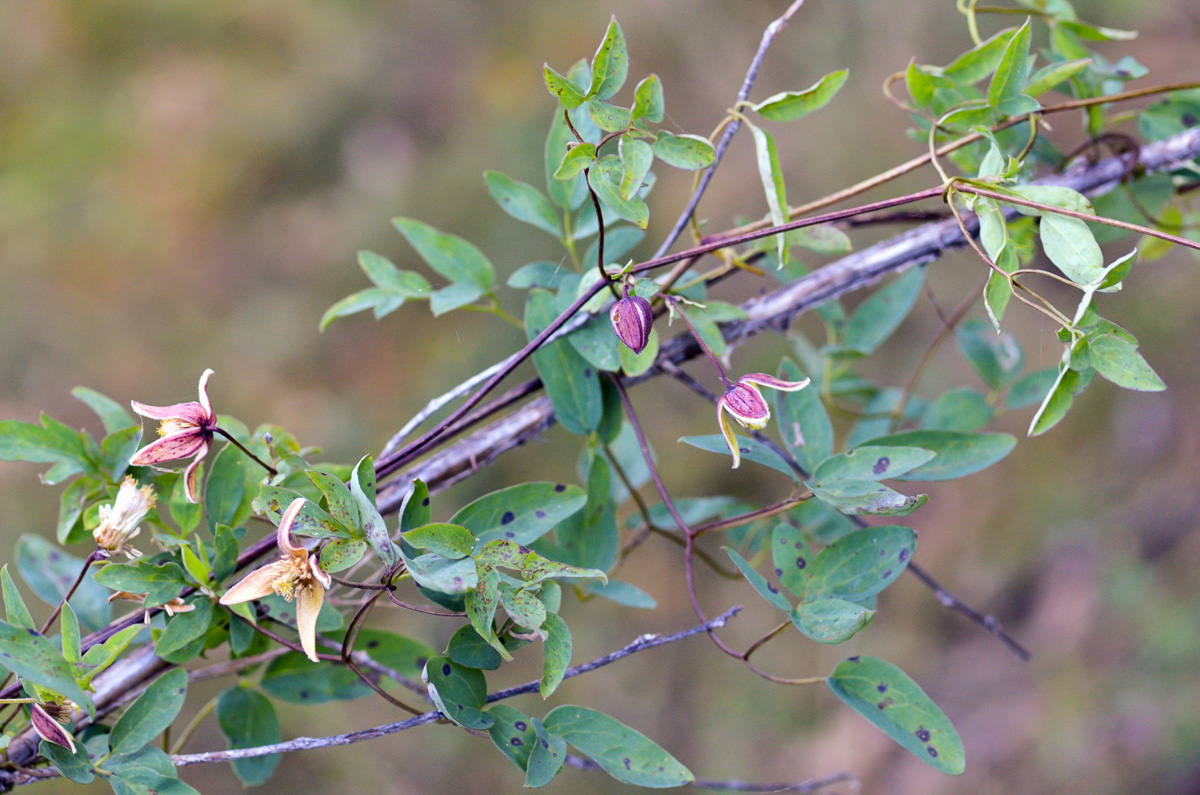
(186, 430)
(633, 320)
(745, 403)
(49, 726)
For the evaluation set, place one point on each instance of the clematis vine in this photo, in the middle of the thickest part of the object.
(119, 521)
(295, 575)
(745, 403)
(186, 431)
(48, 721)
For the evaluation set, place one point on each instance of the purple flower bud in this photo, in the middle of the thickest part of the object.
(633, 320)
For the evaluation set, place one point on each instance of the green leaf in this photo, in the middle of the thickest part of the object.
(36, 659)
(575, 161)
(804, 424)
(866, 496)
(897, 706)
(449, 255)
(523, 607)
(771, 173)
(454, 296)
(792, 105)
(362, 488)
(542, 273)
(569, 95)
(522, 513)
(871, 463)
(828, 620)
(151, 714)
(160, 583)
(690, 152)
(14, 606)
(1030, 390)
(589, 537)
(881, 314)
(1070, 245)
(523, 202)
(184, 629)
(625, 754)
(512, 733)
(1054, 74)
(342, 506)
(571, 383)
(547, 757)
(963, 410)
(105, 654)
(624, 593)
(1013, 70)
(247, 719)
(481, 603)
(958, 454)
(226, 486)
(50, 571)
(448, 540)
(69, 529)
(71, 640)
(597, 343)
(980, 61)
(441, 574)
(792, 558)
(294, 678)
(759, 582)
(557, 654)
(351, 304)
(468, 648)
(997, 358)
(609, 118)
(458, 692)
(708, 330)
(112, 414)
(564, 192)
(22, 441)
(312, 521)
(610, 64)
(606, 178)
(1057, 401)
(1118, 360)
(395, 283)
(920, 84)
(751, 450)
(76, 766)
(648, 100)
(636, 159)
(861, 564)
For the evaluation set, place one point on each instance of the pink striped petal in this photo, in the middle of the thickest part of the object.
(773, 382)
(170, 448)
(727, 432)
(254, 585)
(51, 730)
(308, 606)
(283, 535)
(208, 412)
(189, 475)
(191, 412)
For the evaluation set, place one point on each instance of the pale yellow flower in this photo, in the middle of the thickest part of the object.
(119, 521)
(296, 575)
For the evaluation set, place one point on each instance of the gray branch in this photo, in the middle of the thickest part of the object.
(918, 246)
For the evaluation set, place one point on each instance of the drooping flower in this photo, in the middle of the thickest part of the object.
(49, 726)
(745, 403)
(295, 575)
(632, 320)
(176, 605)
(186, 431)
(119, 521)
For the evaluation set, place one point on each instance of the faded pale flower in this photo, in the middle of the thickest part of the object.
(186, 431)
(745, 403)
(49, 726)
(172, 607)
(295, 575)
(119, 521)
(632, 320)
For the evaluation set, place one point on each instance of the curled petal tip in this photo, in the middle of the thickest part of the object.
(284, 533)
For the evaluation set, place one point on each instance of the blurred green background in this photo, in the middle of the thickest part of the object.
(184, 184)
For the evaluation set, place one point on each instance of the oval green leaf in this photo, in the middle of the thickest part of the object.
(625, 754)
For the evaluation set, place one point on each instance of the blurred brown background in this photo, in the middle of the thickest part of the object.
(183, 184)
